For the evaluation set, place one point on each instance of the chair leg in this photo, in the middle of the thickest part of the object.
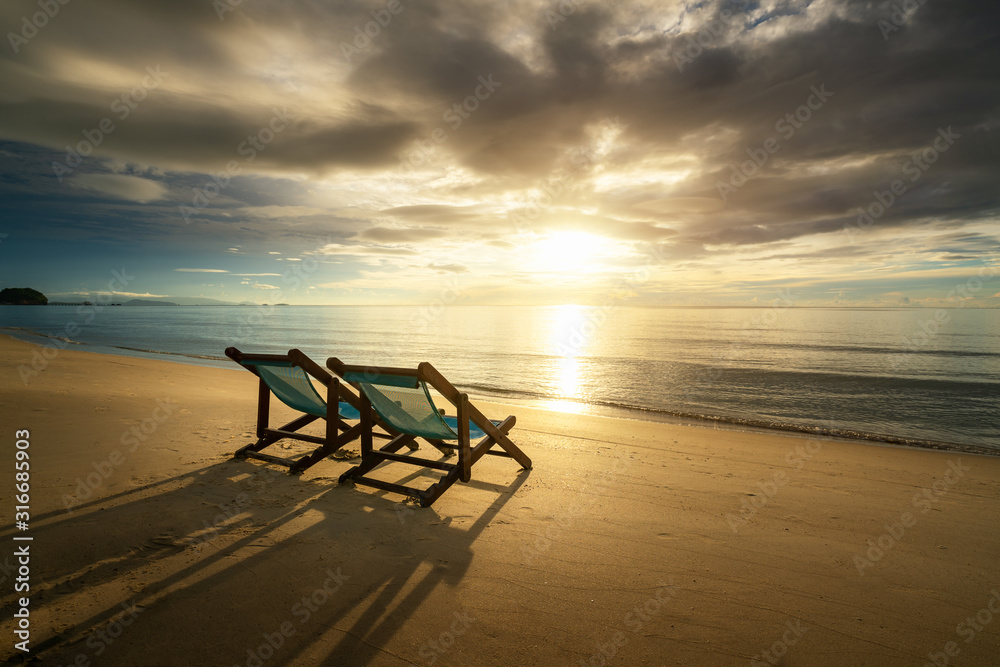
(263, 407)
(324, 451)
(501, 438)
(435, 490)
(367, 426)
(265, 439)
(427, 496)
(369, 462)
(333, 439)
(464, 455)
(332, 410)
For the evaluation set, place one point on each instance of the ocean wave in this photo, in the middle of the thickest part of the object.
(23, 330)
(876, 350)
(804, 383)
(644, 413)
(173, 354)
(70, 341)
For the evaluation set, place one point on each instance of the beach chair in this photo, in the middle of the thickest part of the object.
(287, 377)
(402, 402)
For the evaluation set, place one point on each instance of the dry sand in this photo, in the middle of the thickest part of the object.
(627, 537)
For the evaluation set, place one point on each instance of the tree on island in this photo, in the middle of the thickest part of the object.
(22, 296)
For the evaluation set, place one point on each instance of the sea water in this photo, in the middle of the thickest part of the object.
(903, 375)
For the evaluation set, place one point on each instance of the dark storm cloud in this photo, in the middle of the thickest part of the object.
(722, 87)
(206, 136)
(183, 106)
(883, 102)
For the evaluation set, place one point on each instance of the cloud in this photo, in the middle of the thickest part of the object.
(140, 295)
(436, 213)
(131, 295)
(275, 211)
(340, 249)
(202, 270)
(597, 126)
(264, 286)
(254, 275)
(674, 205)
(133, 188)
(401, 235)
(448, 268)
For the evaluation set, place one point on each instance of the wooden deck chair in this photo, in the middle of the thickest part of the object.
(400, 398)
(287, 377)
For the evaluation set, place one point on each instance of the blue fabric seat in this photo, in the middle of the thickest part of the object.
(291, 378)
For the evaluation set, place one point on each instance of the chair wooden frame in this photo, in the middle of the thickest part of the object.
(468, 453)
(338, 431)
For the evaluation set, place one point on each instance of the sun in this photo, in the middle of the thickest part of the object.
(570, 252)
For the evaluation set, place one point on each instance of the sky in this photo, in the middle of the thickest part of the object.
(716, 153)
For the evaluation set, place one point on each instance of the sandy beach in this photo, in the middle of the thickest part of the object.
(628, 543)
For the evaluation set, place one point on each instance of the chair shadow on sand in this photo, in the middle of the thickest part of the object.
(227, 556)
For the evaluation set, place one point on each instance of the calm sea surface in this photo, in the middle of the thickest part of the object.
(896, 374)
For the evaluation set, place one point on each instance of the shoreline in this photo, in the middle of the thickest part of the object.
(611, 411)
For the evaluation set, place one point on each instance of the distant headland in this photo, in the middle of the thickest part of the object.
(149, 302)
(26, 296)
(22, 296)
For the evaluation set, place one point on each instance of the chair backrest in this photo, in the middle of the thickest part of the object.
(290, 384)
(405, 403)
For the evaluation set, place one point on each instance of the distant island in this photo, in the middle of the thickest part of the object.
(22, 296)
(148, 302)
(25, 296)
